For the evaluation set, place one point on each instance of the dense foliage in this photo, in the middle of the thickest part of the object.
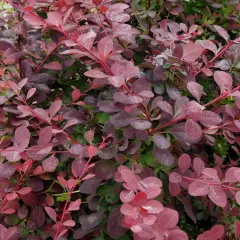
(119, 119)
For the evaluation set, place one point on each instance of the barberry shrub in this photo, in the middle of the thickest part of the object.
(119, 119)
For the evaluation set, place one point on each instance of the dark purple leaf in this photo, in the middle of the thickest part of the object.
(7, 170)
(114, 227)
(163, 156)
(195, 89)
(165, 106)
(45, 135)
(161, 141)
(38, 216)
(105, 169)
(193, 131)
(108, 152)
(141, 124)
(209, 118)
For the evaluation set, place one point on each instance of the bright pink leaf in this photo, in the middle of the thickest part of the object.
(153, 206)
(51, 213)
(69, 223)
(30, 93)
(55, 18)
(105, 46)
(218, 196)
(24, 191)
(74, 206)
(198, 188)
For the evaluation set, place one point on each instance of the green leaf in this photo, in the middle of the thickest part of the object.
(148, 159)
(102, 117)
(62, 198)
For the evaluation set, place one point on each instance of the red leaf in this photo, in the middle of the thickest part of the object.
(168, 218)
(208, 44)
(195, 89)
(42, 114)
(53, 66)
(165, 106)
(22, 136)
(177, 234)
(11, 196)
(198, 165)
(223, 80)
(95, 73)
(237, 229)
(139, 199)
(193, 131)
(126, 196)
(237, 197)
(71, 122)
(76, 94)
(7, 233)
(24, 191)
(71, 184)
(50, 164)
(222, 32)
(30, 93)
(209, 118)
(92, 151)
(117, 81)
(89, 135)
(87, 39)
(184, 162)
(55, 107)
(198, 188)
(105, 46)
(62, 181)
(153, 206)
(45, 135)
(33, 20)
(175, 177)
(51, 213)
(194, 110)
(69, 223)
(218, 196)
(191, 52)
(55, 18)
(74, 206)
(174, 189)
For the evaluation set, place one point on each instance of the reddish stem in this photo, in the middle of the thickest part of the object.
(5, 201)
(45, 59)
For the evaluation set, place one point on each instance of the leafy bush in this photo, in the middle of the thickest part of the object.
(119, 119)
